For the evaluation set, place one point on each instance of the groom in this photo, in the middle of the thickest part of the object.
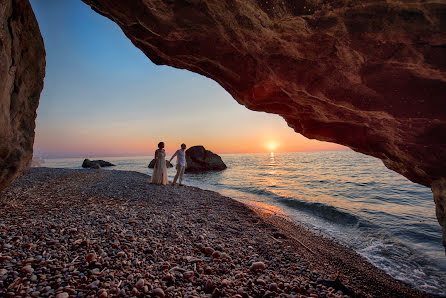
(181, 163)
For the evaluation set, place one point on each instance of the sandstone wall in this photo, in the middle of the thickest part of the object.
(22, 69)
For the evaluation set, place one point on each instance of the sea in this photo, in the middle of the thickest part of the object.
(347, 196)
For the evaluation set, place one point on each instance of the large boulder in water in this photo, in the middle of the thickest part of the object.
(96, 164)
(152, 164)
(199, 160)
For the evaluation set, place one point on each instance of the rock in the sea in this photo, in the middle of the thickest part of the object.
(199, 160)
(22, 69)
(96, 164)
(152, 164)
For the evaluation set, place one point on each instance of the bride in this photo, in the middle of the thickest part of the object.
(159, 175)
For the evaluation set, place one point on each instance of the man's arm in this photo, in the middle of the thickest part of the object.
(176, 152)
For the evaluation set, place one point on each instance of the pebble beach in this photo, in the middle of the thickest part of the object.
(94, 233)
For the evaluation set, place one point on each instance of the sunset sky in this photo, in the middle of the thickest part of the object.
(104, 97)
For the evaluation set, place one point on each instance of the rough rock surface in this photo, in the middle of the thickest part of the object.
(96, 164)
(370, 75)
(22, 69)
(152, 164)
(199, 160)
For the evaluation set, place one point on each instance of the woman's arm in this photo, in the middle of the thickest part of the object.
(156, 159)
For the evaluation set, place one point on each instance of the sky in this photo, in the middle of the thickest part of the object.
(103, 97)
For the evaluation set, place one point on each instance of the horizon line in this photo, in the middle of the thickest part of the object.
(89, 156)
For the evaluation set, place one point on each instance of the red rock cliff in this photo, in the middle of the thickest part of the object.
(22, 68)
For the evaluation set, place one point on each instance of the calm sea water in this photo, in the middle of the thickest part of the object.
(351, 197)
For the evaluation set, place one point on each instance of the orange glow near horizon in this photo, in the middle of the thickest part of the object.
(121, 143)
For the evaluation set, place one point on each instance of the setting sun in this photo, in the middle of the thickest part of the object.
(272, 146)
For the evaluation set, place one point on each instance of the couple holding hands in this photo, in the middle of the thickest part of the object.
(159, 175)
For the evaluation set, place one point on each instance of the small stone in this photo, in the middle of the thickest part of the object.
(257, 266)
(30, 260)
(139, 284)
(91, 257)
(158, 292)
(208, 286)
(3, 272)
(120, 254)
(62, 295)
(208, 250)
(102, 293)
(135, 292)
(188, 274)
(28, 269)
(4, 258)
(33, 277)
(261, 282)
(273, 287)
(121, 293)
(216, 254)
(94, 285)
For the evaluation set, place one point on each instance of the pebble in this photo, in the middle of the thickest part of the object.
(139, 284)
(261, 282)
(188, 274)
(62, 295)
(121, 293)
(257, 266)
(208, 286)
(208, 250)
(158, 292)
(28, 269)
(3, 272)
(273, 287)
(120, 254)
(102, 293)
(91, 257)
